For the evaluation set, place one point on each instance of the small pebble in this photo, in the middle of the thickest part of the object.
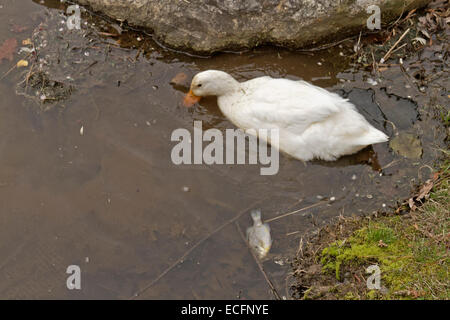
(372, 82)
(186, 189)
(332, 198)
(369, 196)
(279, 262)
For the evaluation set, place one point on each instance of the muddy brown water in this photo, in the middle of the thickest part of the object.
(112, 202)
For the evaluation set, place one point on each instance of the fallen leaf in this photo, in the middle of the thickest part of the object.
(381, 244)
(425, 33)
(22, 63)
(411, 204)
(407, 145)
(425, 190)
(7, 49)
(179, 79)
(435, 176)
(26, 42)
(421, 40)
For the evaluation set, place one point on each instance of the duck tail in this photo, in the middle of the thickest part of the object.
(375, 136)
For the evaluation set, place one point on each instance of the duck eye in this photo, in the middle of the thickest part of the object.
(199, 85)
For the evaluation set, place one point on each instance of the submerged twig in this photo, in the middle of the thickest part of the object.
(294, 212)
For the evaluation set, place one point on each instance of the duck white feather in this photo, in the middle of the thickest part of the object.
(312, 122)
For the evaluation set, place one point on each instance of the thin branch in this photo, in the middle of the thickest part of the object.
(388, 54)
(294, 212)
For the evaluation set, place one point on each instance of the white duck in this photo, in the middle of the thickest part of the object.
(312, 122)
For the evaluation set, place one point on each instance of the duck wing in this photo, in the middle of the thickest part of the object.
(290, 105)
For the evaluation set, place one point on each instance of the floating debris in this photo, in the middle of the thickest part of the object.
(407, 145)
(26, 50)
(180, 79)
(22, 63)
(258, 236)
(7, 49)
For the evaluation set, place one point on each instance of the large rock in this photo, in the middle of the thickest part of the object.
(205, 26)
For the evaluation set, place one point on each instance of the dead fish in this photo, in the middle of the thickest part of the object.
(258, 236)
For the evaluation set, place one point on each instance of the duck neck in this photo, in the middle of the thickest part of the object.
(228, 86)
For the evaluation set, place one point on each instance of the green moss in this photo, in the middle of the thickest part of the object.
(363, 249)
(350, 296)
(413, 263)
(372, 295)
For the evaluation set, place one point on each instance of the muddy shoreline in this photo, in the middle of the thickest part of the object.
(348, 281)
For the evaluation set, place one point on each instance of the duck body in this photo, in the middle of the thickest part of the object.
(312, 122)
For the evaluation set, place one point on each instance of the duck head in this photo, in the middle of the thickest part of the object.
(209, 83)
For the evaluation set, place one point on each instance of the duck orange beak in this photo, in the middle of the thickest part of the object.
(190, 99)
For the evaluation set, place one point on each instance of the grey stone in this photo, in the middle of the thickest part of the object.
(206, 26)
